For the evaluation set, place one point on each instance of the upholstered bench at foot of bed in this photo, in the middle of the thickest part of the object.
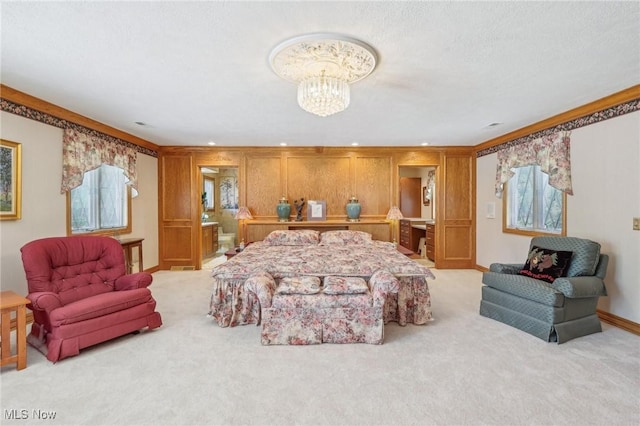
(321, 317)
(290, 326)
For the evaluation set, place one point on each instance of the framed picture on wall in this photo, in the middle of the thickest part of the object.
(229, 193)
(10, 180)
(425, 196)
(316, 210)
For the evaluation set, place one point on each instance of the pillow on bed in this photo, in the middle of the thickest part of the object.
(299, 285)
(343, 238)
(344, 285)
(301, 237)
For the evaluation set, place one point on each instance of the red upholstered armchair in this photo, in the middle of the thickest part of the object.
(80, 295)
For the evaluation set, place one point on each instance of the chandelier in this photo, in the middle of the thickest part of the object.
(323, 66)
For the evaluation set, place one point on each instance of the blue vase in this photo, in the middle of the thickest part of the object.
(353, 210)
(284, 210)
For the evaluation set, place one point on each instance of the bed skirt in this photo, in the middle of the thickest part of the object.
(230, 305)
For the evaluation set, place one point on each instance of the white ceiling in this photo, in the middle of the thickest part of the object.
(196, 72)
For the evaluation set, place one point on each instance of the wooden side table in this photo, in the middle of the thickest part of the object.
(12, 302)
(127, 245)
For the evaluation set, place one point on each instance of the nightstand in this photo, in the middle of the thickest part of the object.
(232, 252)
(12, 302)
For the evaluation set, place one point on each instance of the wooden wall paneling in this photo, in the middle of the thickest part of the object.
(176, 187)
(177, 234)
(457, 244)
(380, 232)
(330, 174)
(372, 185)
(320, 178)
(458, 193)
(264, 185)
(455, 240)
(177, 249)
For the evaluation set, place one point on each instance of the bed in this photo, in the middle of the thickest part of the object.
(308, 253)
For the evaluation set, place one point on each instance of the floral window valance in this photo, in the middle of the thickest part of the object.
(82, 153)
(551, 153)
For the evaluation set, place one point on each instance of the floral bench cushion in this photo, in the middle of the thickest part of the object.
(344, 285)
(298, 285)
(321, 301)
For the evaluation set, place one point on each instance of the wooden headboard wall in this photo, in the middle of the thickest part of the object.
(329, 174)
(333, 178)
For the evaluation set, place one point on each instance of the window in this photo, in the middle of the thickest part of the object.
(102, 204)
(208, 196)
(532, 206)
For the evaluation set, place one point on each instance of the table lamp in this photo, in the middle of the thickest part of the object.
(394, 215)
(242, 215)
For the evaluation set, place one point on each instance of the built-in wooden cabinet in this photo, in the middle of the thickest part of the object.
(410, 236)
(405, 234)
(209, 240)
(430, 242)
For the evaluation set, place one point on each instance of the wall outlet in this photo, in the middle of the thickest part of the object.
(636, 223)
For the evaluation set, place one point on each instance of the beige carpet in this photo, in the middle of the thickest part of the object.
(460, 369)
(214, 261)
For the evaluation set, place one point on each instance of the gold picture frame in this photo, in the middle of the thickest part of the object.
(10, 180)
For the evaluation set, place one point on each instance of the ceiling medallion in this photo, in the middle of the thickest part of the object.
(323, 66)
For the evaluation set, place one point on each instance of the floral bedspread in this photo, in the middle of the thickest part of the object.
(229, 305)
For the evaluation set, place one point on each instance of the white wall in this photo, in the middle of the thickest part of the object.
(44, 208)
(605, 166)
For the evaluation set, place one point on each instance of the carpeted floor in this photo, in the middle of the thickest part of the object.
(460, 369)
(213, 261)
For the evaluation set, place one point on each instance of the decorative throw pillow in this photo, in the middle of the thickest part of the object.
(344, 285)
(344, 238)
(300, 237)
(299, 285)
(546, 264)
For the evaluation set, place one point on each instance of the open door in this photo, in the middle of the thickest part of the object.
(411, 196)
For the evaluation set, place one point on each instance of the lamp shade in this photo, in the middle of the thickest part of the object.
(243, 214)
(394, 213)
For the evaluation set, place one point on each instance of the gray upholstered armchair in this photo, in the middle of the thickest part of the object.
(555, 311)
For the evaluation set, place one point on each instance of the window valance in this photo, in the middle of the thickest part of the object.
(551, 153)
(82, 153)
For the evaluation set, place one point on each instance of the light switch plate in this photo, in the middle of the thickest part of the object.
(491, 210)
(636, 223)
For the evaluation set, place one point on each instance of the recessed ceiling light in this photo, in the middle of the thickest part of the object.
(283, 144)
(424, 143)
(494, 124)
(140, 123)
(211, 143)
(355, 144)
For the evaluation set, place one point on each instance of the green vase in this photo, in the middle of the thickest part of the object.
(284, 210)
(353, 210)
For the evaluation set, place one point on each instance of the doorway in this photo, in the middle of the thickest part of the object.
(417, 203)
(417, 192)
(219, 205)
